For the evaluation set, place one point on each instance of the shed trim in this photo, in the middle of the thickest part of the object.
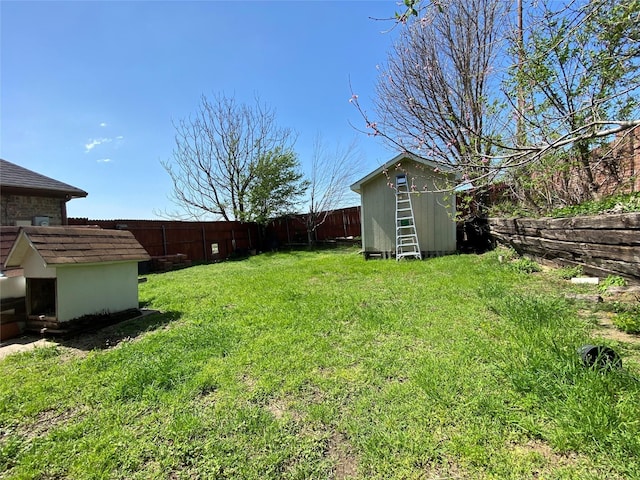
(357, 186)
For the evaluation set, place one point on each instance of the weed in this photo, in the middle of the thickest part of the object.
(613, 204)
(567, 273)
(524, 265)
(611, 281)
(628, 322)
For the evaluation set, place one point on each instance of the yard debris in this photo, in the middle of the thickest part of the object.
(584, 297)
(586, 280)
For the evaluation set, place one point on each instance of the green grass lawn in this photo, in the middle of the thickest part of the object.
(322, 365)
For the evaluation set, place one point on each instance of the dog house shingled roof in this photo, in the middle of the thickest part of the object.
(67, 246)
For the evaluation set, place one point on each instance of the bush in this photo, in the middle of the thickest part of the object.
(614, 204)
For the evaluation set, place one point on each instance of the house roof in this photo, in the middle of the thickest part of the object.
(61, 246)
(356, 187)
(17, 179)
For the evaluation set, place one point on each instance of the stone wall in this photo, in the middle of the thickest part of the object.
(603, 244)
(22, 207)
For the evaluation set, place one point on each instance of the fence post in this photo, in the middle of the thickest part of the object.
(164, 240)
(204, 244)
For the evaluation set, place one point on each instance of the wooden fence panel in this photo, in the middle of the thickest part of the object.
(195, 239)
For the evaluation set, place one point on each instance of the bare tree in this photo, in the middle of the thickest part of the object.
(332, 172)
(433, 97)
(217, 152)
(573, 86)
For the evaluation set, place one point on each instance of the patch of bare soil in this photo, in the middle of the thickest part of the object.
(79, 344)
(552, 460)
(604, 326)
(607, 329)
(340, 452)
(445, 471)
(43, 423)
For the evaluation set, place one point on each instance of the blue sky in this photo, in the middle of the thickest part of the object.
(89, 89)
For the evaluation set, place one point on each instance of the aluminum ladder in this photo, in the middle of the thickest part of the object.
(406, 236)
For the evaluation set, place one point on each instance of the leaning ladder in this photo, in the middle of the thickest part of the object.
(406, 236)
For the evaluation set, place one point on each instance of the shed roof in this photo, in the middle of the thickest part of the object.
(356, 187)
(14, 178)
(61, 246)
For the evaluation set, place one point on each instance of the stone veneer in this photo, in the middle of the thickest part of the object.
(21, 207)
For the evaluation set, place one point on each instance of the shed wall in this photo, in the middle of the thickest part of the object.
(96, 289)
(434, 213)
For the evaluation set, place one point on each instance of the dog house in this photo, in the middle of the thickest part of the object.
(76, 272)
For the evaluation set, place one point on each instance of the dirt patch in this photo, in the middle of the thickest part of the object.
(43, 423)
(80, 344)
(551, 461)
(606, 329)
(277, 408)
(340, 452)
(544, 451)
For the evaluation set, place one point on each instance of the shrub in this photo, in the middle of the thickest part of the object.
(614, 204)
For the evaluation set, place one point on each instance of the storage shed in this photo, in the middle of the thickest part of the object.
(434, 212)
(76, 272)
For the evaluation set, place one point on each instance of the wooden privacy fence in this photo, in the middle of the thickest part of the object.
(341, 223)
(199, 241)
(603, 245)
(212, 241)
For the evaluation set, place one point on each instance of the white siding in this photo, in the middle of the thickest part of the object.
(96, 289)
(13, 287)
(34, 266)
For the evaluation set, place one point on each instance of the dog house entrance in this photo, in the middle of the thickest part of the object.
(41, 297)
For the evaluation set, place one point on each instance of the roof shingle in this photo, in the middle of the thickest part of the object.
(68, 245)
(15, 177)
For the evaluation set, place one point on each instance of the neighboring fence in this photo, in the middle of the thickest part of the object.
(199, 241)
(603, 245)
(341, 223)
(212, 241)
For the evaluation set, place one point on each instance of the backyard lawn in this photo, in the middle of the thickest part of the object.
(322, 365)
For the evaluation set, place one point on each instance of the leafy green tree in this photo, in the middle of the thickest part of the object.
(572, 88)
(579, 78)
(278, 188)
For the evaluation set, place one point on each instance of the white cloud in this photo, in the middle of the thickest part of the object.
(103, 124)
(103, 160)
(94, 143)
